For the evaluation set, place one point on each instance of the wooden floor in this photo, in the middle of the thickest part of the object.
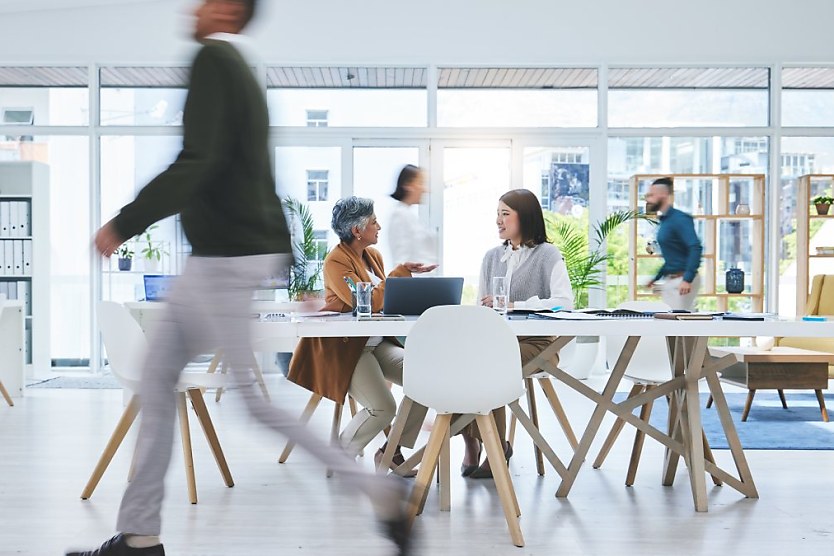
(50, 440)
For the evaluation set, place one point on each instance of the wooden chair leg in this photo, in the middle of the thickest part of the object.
(5, 394)
(503, 482)
(534, 416)
(187, 454)
(748, 404)
(431, 455)
(639, 439)
(444, 475)
(335, 429)
(709, 401)
(550, 393)
(119, 433)
(259, 376)
(395, 434)
(782, 399)
(352, 405)
(200, 409)
(615, 431)
(309, 409)
(511, 432)
(821, 401)
(710, 458)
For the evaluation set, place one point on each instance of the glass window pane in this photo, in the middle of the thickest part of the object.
(349, 107)
(128, 163)
(68, 161)
(801, 156)
(473, 180)
(142, 107)
(375, 173)
(687, 108)
(55, 96)
(291, 167)
(809, 108)
(560, 178)
(516, 108)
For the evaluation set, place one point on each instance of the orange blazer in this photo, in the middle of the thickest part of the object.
(325, 365)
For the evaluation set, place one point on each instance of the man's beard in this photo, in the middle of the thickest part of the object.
(652, 207)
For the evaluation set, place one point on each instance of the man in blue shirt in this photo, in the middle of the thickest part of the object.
(680, 247)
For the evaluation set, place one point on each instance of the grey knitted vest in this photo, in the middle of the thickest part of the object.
(530, 278)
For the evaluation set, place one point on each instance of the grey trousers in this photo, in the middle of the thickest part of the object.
(210, 307)
(369, 386)
(671, 296)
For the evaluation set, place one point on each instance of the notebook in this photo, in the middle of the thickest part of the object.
(594, 314)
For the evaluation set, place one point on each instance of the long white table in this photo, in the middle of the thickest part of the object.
(687, 343)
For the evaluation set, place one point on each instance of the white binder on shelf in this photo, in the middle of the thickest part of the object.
(17, 257)
(24, 216)
(4, 218)
(24, 295)
(27, 257)
(8, 258)
(13, 216)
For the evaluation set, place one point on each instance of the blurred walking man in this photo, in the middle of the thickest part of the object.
(222, 186)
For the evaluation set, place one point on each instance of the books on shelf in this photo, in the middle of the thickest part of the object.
(15, 257)
(15, 218)
(18, 289)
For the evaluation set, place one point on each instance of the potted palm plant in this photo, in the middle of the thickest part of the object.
(822, 203)
(585, 258)
(306, 275)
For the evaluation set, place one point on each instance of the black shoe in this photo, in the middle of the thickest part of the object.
(399, 531)
(467, 470)
(117, 546)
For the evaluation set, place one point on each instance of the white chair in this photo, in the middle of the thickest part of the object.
(126, 346)
(649, 367)
(3, 391)
(462, 359)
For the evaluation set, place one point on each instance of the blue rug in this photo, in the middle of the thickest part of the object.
(768, 426)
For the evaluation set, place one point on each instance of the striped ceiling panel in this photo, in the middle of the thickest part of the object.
(517, 78)
(11, 76)
(689, 78)
(344, 77)
(145, 77)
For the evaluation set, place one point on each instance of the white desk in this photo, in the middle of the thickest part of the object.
(687, 343)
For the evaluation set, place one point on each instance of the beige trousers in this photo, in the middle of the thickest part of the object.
(671, 296)
(369, 386)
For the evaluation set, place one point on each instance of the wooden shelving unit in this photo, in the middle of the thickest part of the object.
(809, 186)
(712, 200)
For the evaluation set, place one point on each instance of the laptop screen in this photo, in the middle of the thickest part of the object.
(157, 286)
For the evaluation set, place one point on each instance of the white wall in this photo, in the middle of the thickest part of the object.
(443, 32)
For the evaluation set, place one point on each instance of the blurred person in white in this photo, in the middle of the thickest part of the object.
(536, 278)
(222, 186)
(408, 239)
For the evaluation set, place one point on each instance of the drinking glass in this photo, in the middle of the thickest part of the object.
(499, 295)
(363, 299)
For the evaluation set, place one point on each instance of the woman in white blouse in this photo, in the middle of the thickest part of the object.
(535, 278)
(408, 239)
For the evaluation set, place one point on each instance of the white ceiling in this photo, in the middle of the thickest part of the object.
(12, 6)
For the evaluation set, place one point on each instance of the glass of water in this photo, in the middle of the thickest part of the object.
(499, 295)
(363, 299)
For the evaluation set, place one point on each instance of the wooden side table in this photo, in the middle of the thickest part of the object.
(781, 368)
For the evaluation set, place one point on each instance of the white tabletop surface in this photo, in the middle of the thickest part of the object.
(345, 326)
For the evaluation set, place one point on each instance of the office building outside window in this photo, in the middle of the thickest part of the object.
(317, 118)
(317, 181)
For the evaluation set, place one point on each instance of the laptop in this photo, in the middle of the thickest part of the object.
(412, 296)
(157, 286)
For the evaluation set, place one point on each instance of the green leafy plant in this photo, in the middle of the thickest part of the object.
(124, 252)
(822, 200)
(306, 274)
(151, 250)
(583, 252)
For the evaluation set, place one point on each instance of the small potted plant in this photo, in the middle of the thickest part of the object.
(823, 203)
(152, 250)
(125, 255)
(306, 276)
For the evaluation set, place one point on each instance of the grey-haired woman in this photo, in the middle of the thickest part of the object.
(334, 367)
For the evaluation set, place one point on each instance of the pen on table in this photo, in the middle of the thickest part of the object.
(815, 319)
(350, 283)
(556, 308)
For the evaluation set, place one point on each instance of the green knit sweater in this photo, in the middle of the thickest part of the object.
(221, 182)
